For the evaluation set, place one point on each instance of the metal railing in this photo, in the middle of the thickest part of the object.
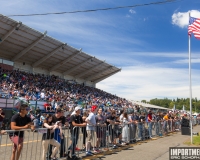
(39, 144)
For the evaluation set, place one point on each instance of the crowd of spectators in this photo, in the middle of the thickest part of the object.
(54, 90)
(77, 105)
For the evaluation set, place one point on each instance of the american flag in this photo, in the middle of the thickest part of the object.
(194, 27)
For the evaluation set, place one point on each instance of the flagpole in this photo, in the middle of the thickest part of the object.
(190, 87)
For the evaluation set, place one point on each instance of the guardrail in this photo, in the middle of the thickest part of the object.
(79, 141)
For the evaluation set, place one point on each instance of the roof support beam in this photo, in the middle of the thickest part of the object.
(99, 73)
(16, 27)
(65, 61)
(87, 71)
(28, 48)
(48, 55)
(76, 67)
(100, 79)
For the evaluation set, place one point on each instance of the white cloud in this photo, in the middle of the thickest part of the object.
(187, 61)
(132, 11)
(147, 82)
(181, 19)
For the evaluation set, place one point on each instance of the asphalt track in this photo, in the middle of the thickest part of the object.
(156, 149)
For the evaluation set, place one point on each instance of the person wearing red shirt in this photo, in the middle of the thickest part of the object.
(149, 120)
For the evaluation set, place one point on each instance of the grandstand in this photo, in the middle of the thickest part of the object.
(26, 49)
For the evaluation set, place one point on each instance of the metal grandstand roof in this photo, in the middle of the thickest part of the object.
(20, 43)
(147, 105)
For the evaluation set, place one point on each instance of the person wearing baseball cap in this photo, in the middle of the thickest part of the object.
(75, 121)
(91, 123)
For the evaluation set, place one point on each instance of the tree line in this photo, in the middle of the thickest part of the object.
(178, 102)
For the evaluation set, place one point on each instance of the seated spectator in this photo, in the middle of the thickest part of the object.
(34, 120)
(42, 118)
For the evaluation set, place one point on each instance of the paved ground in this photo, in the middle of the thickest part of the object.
(152, 150)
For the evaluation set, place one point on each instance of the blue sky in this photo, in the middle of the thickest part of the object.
(149, 43)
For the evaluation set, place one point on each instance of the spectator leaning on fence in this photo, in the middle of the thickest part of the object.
(58, 118)
(165, 118)
(91, 126)
(101, 129)
(19, 121)
(75, 121)
(149, 120)
(141, 122)
(125, 129)
(48, 138)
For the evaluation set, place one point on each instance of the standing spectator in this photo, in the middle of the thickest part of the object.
(19, 121)
(85, 115)
(125, 129)
(91, 124)
(59, 117)
(165, 118)
(48, 138)
(141, 121)
(100, 130)
(149, 120)
(2, 116)
(158, 124)
(75, 121)
(133, 127)
(111, 121)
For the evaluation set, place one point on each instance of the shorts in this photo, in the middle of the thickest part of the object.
(101, 132)
(16, 140)
(90, 135)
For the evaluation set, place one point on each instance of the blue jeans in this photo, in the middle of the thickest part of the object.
(140, 129)
(74, 138)
(150, 128)
(158, 128)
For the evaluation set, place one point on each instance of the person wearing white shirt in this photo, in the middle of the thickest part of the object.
(90, 128)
